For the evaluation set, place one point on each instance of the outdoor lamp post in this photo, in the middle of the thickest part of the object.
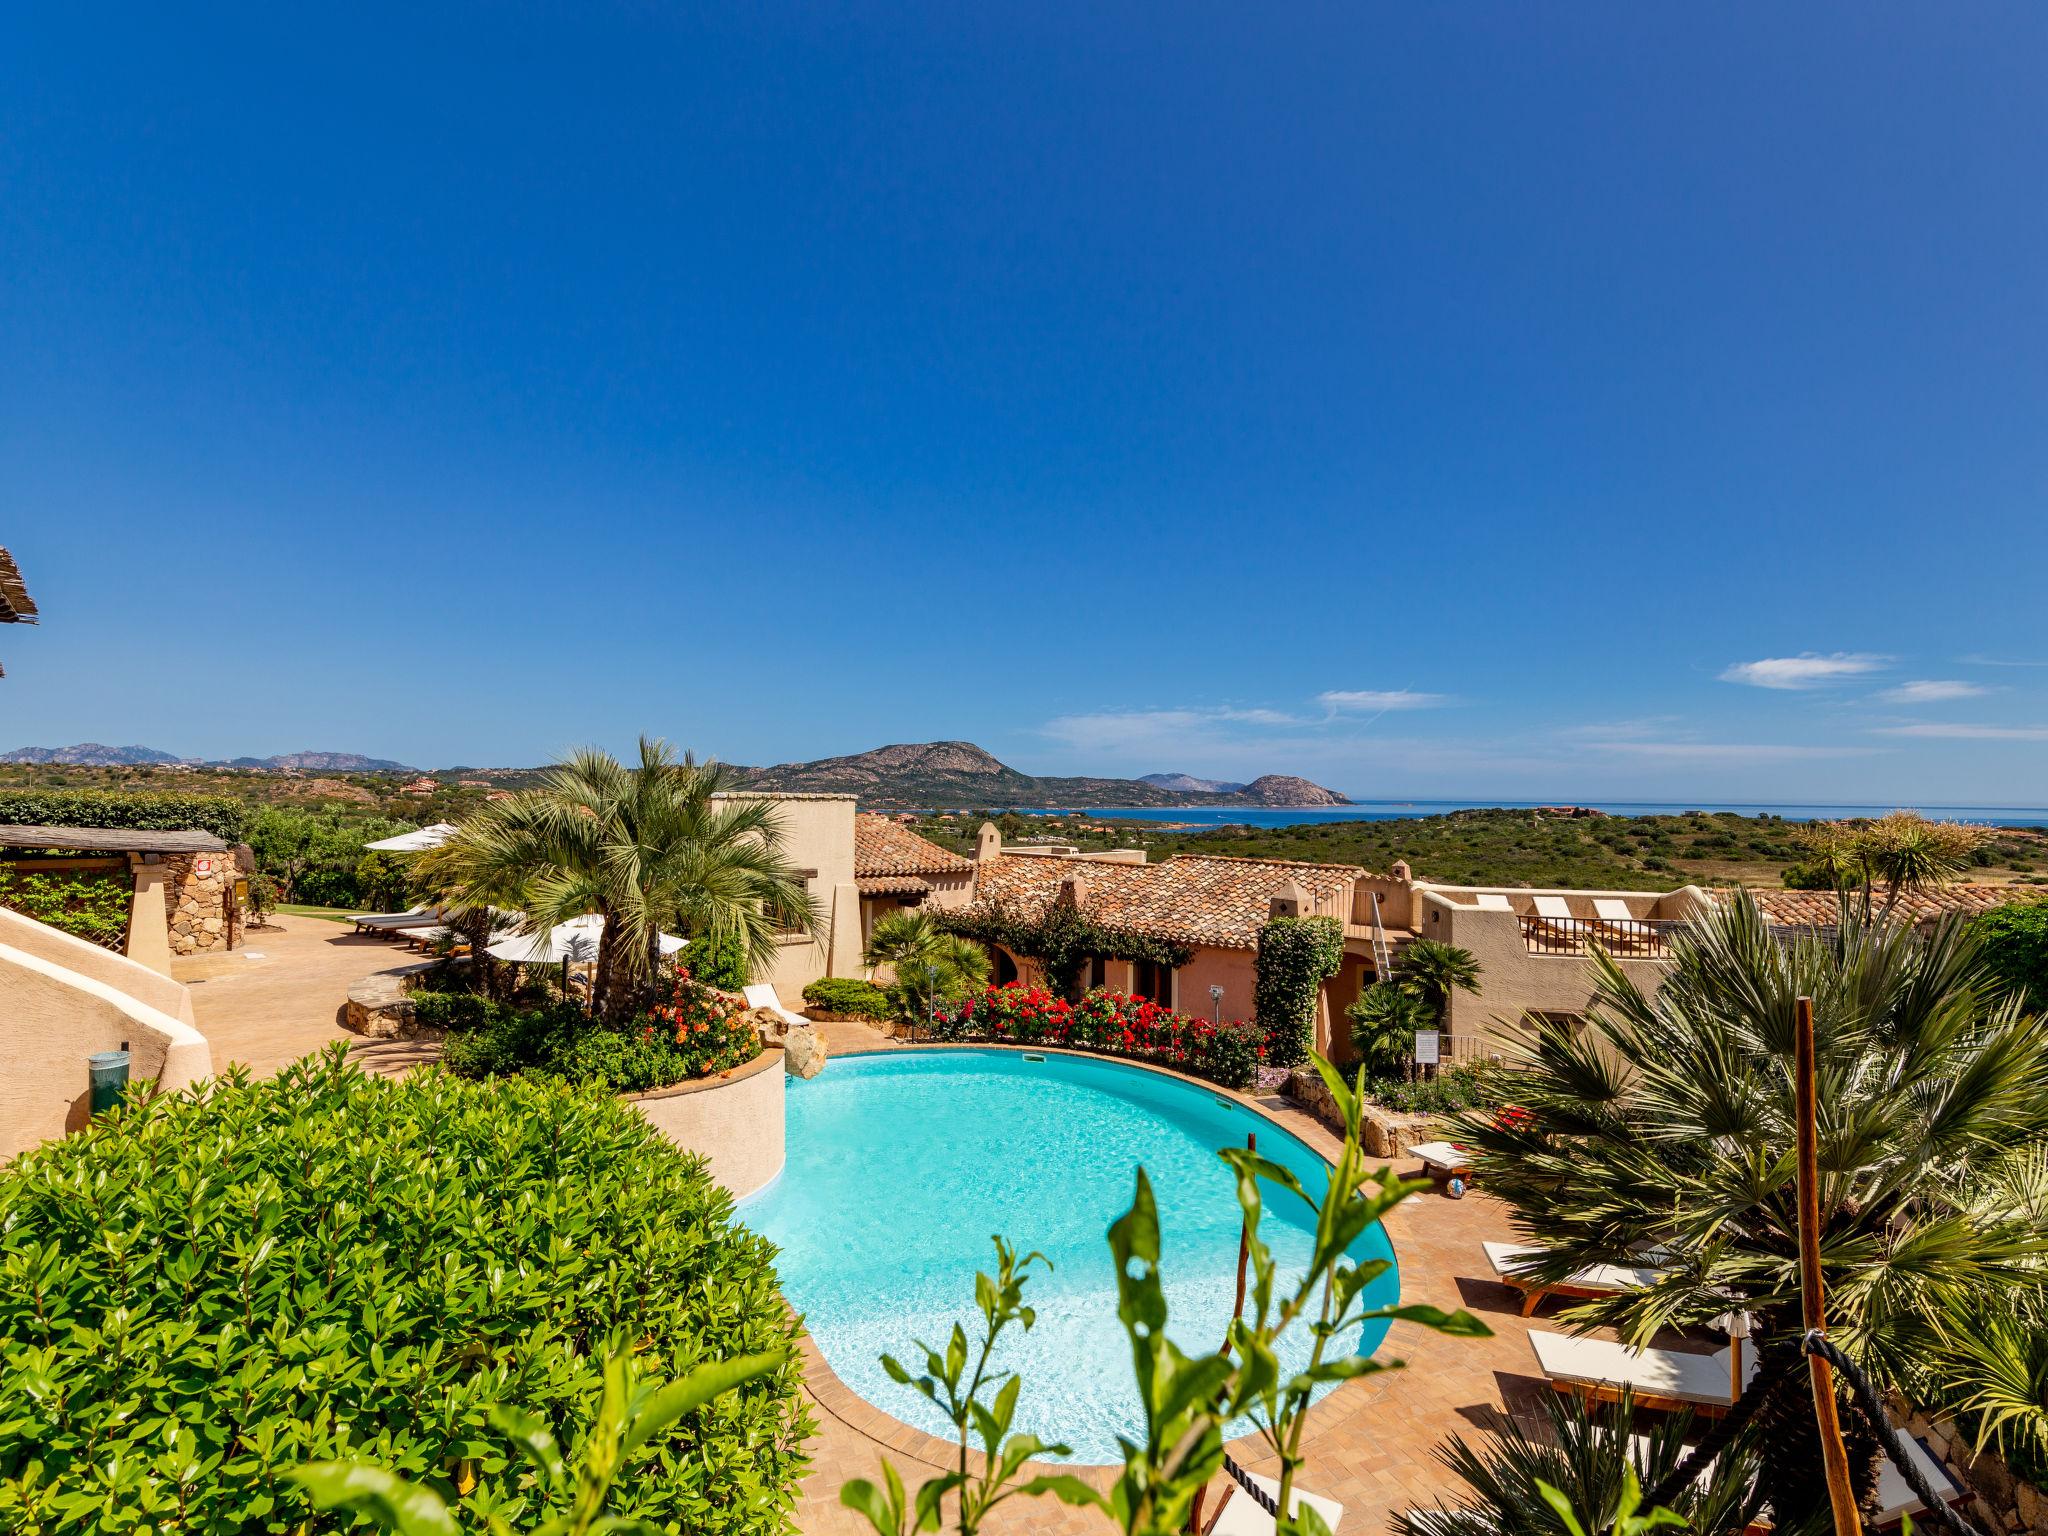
(1216, 1001)
(931, 1000)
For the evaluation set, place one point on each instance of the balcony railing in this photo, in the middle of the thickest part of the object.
(1638, 938)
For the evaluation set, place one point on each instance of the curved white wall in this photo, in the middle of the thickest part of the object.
(53, 1016)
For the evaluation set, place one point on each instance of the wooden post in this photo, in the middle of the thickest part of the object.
(1834, 1456)
(1244, 1254)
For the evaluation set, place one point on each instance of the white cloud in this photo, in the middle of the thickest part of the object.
(1998, 661)
(1946, 732)
(1378, 701)
(1724, 751)
(1809, 669)
(1932, 691)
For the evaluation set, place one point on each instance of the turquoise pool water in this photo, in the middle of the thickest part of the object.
(900, 1167)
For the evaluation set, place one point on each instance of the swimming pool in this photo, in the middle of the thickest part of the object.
(901, 1166)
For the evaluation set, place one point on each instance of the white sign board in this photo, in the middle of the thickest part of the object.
(1425, 1047)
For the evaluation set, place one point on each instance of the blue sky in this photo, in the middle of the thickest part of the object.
(1470, 401)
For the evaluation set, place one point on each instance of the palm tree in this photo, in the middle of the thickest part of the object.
(1433, 970)
(1904, 851)
(1383, 1025)
(646, 848)
(931, 968)
(1585, 1452)
(1669, 1124)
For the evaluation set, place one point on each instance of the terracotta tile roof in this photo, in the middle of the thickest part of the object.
(881, 847)
(1188, 899)
(1818, 909)
(891, 885)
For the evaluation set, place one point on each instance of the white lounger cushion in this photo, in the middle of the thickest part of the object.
(1611, 909)
(1553, 906)
(763, 996)
(1241, 1517)
(1507, 1258)
(1654, 1372)
(1895, 1496)
(1492, 901)
(1441, 1154)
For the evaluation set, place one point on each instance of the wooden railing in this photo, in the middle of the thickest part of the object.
(1639, 938)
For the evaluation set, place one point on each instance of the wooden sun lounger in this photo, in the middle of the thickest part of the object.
(762, 996)
(367, 922)
(1602, 1371)
(1621, 930)
(1239, 1516)
(1508, 1261)
(1554, 915)
(1441, 1160)
(1492, 901)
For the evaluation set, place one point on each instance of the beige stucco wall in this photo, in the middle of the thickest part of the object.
(149, 923)
(817, 835)
(1512, 980)
(735, 1122)
(54, 1018)
(140, 982)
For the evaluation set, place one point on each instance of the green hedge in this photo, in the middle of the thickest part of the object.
(1296, 956)
(151, 812)
(849, 995)
(199, 1293)
(2015, 940)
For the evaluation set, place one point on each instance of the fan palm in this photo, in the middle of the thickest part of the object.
(931, 968)
(1383, 1025)
(1433, 970)
(646, 848)
(1585, 1452)
(1669, 1123)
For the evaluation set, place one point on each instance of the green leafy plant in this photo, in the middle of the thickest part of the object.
(1061, 938)
(205, 1290)
(1383, 1025)
(850, 996)
(86, 905)
(1433, 970)
(1296, 956)
(1187, 1399)
(260, 897)
(130, 811)
(718, 961)
(631, 1413)
(2015, 940)
(932, 971)
(1457, 1085)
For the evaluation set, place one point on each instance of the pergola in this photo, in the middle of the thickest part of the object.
(16, 606)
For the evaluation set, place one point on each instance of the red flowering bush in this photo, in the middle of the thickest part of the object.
(711, 1029)
(1115, 1024)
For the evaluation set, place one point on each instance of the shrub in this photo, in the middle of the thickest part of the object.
(1461, 1086)
(144, 812)
(88, 906)
(2015, 940)
(697, 1032)
(718, 962)
(204, 1290)
(1114, 1024)
(1296, 956)
(849, 995)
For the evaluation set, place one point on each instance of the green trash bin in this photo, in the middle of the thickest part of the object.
(109, 1078)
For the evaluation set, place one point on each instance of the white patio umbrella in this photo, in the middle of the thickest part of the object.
(417, 841)
(575, 942)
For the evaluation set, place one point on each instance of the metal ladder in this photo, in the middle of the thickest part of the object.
(1382, 957)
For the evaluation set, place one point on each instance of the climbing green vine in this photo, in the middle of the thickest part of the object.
(1062, 938)
(1296, 956)
(87, 906)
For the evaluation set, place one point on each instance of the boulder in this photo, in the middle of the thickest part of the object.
(769, 1025)
(803, 1051)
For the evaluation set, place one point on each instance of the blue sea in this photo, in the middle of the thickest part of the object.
(1397, 810)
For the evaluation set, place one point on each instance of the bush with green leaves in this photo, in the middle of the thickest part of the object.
(134, 812)
(2015, 942)
(82, 903)
(1457, 1085)
(204, 1291)
(850, 996)
(718, 962)
(1296, 956)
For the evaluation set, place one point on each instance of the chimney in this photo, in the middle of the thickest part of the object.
(1292, 901)
(1073, 891)
(988, 842)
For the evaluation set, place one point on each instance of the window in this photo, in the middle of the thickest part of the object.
(1151, 979)
(1094, 974)
(1536, 1018)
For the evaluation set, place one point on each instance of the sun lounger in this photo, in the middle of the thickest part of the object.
(1510, 1260)
(1895, 1496)
(1618, 928)
(1602, 1370)
(763, 996)
(1239, 1516)
(1492, 901)
(371, 922)
(1441, 1160)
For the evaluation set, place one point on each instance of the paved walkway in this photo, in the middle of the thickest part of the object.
(279, 996)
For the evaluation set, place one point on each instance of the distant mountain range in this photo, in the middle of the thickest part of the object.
(958, 773)
(913, 774)
(92, 754)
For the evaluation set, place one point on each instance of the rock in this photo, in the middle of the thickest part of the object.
(803, 1051)
(2033, 1508)
(769, 1025)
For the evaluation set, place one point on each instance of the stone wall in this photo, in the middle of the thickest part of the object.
(196, 904)
(1384, 1132)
